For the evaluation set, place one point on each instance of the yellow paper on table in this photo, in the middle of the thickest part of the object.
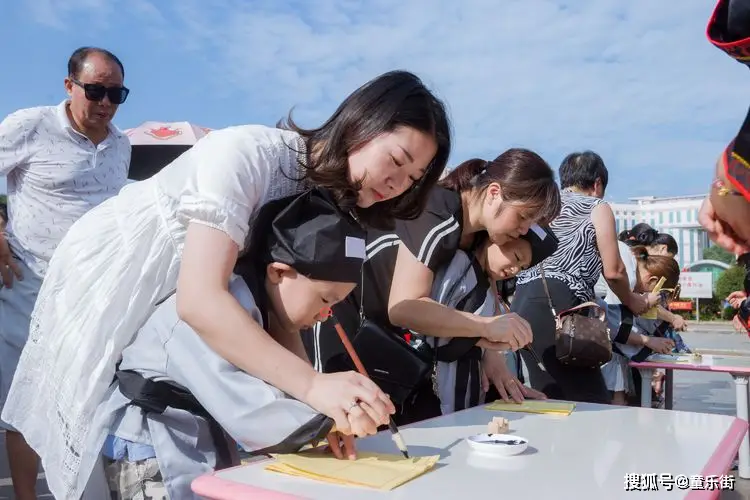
(671, 358)
(372, 470)
(530, 406)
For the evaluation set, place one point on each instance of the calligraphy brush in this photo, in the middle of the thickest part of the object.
(536, 357)
(395, 433)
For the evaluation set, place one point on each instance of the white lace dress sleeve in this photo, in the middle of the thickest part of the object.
(229, 179)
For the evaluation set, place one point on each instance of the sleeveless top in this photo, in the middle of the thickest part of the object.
(576, 262)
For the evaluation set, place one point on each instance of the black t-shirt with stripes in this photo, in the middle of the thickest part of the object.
(433, 238)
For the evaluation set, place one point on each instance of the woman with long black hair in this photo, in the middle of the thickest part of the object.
(499, 200)
(380, 153)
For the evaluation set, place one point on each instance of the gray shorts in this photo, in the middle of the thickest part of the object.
(16, 306)
(138, 480)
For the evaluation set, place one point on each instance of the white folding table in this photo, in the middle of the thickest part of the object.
(586, 455)
(736, 366)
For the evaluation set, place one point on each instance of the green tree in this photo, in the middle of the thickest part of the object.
(715, 252)
(729, 281)
(710, 308)
(3, 198)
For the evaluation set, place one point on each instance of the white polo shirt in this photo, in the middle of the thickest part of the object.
(55, 175)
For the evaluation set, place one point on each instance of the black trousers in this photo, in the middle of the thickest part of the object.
(559, 381)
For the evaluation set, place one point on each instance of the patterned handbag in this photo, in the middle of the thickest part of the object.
(581, 341)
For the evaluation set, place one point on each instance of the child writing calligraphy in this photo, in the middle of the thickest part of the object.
(632, 336)
(466, 374)
(174, 398)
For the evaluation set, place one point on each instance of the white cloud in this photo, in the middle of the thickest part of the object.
(57, 13)
(631, 79)
(636, 81)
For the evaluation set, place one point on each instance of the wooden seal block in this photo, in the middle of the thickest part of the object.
(498, 425)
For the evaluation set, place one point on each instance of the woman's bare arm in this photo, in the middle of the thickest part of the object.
(289, 340)
(410, 306)
(204, 302)
(606, 241)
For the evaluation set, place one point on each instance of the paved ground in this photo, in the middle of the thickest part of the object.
(699, 392)
(712, 393)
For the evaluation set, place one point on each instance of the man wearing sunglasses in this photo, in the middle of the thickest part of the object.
(60, 162)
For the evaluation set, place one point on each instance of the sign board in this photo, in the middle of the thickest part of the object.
(683, 305)
(696, 285)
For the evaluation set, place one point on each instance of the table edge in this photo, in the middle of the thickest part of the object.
(690, 367)
(721, 459)
(213, 487)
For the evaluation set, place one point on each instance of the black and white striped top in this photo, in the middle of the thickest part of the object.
(576, 262)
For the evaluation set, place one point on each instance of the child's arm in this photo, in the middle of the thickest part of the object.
(677, 322)
(257, 415)
(659, 345)
(623, 331)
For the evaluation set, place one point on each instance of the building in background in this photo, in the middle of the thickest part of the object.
(677, 215)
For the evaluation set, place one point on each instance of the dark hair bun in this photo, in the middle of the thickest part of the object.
(647, 237)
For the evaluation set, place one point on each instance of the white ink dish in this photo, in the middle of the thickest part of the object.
(498, 445)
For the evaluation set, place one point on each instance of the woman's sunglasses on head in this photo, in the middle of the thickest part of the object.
(96, 92)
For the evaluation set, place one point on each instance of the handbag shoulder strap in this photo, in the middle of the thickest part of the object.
(546, 289)
(600, 314)
(593, 305)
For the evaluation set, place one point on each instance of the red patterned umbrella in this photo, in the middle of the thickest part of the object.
(157, 144)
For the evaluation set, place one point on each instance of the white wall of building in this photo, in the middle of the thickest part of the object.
(677, 216)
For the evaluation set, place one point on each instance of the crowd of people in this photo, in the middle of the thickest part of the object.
(148, 328)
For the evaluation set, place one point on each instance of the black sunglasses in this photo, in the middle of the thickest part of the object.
(96, 92)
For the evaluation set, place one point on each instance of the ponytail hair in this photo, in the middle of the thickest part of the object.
(460, 178)
(524, 177)
(658, 265)
(668, 241)
(644, 235)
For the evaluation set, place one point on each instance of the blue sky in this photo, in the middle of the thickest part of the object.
(629, 80)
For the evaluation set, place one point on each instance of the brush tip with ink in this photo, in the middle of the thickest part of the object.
(396, 436)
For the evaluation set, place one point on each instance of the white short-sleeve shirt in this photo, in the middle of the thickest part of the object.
(229, 174)
(55, 174)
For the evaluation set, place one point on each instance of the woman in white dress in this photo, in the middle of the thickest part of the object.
(386, 144)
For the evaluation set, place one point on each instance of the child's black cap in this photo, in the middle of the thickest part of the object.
(314, 236)
(543, 243)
